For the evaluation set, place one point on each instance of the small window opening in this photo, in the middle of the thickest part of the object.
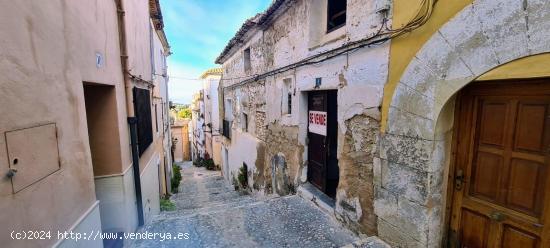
(156, 119)
(289, 106)
(228, 109)
(336, 14)
(245, 122)
(246, 54)
(287, 96)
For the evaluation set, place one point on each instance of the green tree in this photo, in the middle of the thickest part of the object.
(184, 113)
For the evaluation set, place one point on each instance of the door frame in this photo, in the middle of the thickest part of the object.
(449, 234)
(330, 94)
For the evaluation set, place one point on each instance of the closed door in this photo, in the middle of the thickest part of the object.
(501, 187)
(317, 139)
(323, 170)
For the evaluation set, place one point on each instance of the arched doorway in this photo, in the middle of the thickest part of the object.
(415, 151)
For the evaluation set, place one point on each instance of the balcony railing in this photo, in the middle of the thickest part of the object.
(226, 129)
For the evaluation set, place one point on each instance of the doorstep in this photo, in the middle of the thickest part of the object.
(327, 204)
(313, 194)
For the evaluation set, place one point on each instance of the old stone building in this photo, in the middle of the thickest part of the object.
(180, 140)
(269, 113)
(197, 126)
(84, 118)
(422, 122)
(212, 145)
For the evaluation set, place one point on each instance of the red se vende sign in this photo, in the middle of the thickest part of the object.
(318, 122)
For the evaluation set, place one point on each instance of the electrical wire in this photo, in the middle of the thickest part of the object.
(421, 17)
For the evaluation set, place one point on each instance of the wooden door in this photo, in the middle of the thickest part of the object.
(501, 187)
(317, 141)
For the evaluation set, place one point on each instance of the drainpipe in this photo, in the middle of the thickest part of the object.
(132, 120)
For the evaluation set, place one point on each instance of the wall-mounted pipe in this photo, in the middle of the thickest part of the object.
(132, 120)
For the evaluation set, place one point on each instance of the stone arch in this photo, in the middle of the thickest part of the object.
(484, 35)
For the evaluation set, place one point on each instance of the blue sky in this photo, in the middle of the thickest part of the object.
(197, 31)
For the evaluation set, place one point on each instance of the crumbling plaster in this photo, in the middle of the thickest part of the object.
(410, 174)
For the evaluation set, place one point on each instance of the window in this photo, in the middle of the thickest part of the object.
(226, 129)
(227, 118)
(246, 55)
(162, 117)
(289, 103)
(244, 122)
(286, 100)
(156, 119)
(228, 107)
(336, 14)
(142, 109)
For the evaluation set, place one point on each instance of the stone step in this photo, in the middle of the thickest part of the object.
(191, 204)
(196, 193)
(210, 209)
(209, 182)
(205, 197)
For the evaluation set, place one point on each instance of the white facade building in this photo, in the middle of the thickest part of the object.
(211, 79)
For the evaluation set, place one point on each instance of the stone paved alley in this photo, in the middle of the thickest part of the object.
(215, 215)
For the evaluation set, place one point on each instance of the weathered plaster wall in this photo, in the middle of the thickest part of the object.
(355, 190)
(46, 55)
(139, 48)
(284, 159)
(48, 50)
(358, 76)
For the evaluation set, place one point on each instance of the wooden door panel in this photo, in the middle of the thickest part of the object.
(492, 128)
(503, 152)
(520, 220)
(525, 187)
(317, 161)
(530, 126)
(486, 174)
(475, 231)
(515, 238)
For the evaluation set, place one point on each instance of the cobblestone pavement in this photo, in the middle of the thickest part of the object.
(215, 215)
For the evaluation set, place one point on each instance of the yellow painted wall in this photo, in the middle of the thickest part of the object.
(405, 47)
(536, 66)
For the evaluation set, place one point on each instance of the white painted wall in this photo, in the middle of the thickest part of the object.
(150, 188)
(87, 223)
(242, 150)
(117, 202)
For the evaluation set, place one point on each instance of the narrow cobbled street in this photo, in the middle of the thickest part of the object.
(215, 215)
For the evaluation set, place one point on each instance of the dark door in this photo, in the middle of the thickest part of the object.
(322, 136)
(501, 179)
